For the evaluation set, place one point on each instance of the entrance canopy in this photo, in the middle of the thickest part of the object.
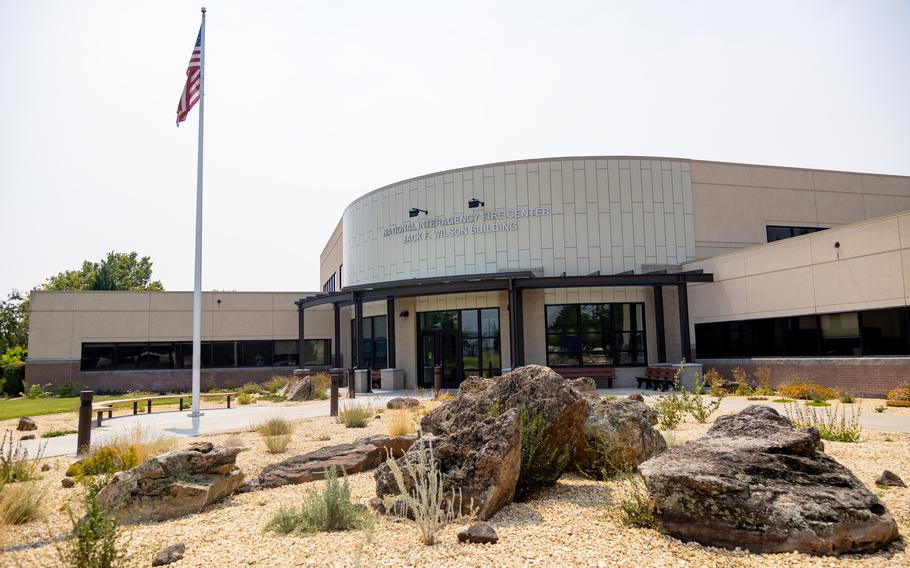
(512, 282)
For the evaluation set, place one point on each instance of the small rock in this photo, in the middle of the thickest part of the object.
(378, 505)
(402, 402)
(26, 423)
(636, 396)
(479, 533)
(169, 555)
(27, 437)
(67, 482)
(248, 486)
(377, 417)
(46, 467)
(890, 479)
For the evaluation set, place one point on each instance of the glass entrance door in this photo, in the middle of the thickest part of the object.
(440, 348)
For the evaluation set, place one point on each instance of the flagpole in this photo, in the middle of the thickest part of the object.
(197, 281)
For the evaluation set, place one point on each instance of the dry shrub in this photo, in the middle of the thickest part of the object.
(276, 383)
(401, 423)
(123, 451)
(321, 383)
(355, 415)
(900, 393)
(832, 424)
(763, 381)
(801, 390)
(21, 502)
(740, 376)
(634, 506)
(715, 383)
(234, 442)
(898, 403)
(15, 463)
(275, 426)
(277, 444)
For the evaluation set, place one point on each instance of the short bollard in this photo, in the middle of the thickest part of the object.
(150, 406)
(84, 437)
(135, 407)
(229, 401)
(349, 373)
(437, 380)
(333, 395)
(181, 405)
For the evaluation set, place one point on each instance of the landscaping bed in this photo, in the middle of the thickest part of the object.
(576, 522)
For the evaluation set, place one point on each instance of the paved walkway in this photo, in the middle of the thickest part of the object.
(215, 420)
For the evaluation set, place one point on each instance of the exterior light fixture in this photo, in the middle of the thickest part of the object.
(415, 212)
(403, 314)
(474, 203)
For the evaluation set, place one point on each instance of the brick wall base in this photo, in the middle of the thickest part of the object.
(170, 380)
(860, 376)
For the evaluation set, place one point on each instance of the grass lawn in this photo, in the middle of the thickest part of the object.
(24, 407)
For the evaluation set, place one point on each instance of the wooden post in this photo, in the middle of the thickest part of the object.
(350, 375)
(135, 407)
(150, 406)
(181, 404)
(84, 437)
(229, 400)
(100, 416)
(437, 379)
(333, 392)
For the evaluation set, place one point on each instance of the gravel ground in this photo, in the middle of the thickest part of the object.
(574, 523)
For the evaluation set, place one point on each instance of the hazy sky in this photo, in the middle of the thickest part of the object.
(310, 104)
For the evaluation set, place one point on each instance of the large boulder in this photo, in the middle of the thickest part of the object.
(360, 455)
(473, 385)
(481, 464)
(298, 388)
(756, 482)
(173, 484)
(550, 409)
(617, 435)
(26, 423)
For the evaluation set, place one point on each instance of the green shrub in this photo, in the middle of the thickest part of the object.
(58, 433)
(846, 398)
(272, 398)
(93, 541)
(244, 398)
(355, 416)
(670, 411)
(107, 460)
(832, 423)
(35, 392)
(21, 502)
(694, 403)
(540, 466)
(900, 393)
(69, 389)
(12, 367)
(817, 403)
(880, 408)
(426, 502)
(635, 510)
(782, 400)
(330, 510)
(743, 389)
(15, 463)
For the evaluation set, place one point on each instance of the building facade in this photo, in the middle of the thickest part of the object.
(597, 266)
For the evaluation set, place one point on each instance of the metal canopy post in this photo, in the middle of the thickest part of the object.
(390, 331)
(684, 339)
(336, 343)
(300, 335)
(358, 331)
(660, 332)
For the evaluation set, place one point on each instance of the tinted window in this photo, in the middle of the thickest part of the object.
(316, 352)
(840, 334)
(885, 332)
(595, 334)
(97, 357)
(256, 354)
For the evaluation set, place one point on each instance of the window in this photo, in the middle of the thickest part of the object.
(375, 342)
(329, 285)
(779, 233)
(847, 334)
(480, 344)
(285, 353)
(595, 334)
(179, 355)
(316, 352)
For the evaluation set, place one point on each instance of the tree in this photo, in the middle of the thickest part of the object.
(12, 369)
(118, 271)
(13, 321)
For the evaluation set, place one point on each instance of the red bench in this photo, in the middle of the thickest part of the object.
(600, 375)
(658, 378)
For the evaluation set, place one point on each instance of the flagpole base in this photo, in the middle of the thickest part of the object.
(196, 414)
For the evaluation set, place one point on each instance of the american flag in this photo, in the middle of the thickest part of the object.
(190, 94)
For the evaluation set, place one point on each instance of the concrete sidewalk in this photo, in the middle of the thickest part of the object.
(216, 420)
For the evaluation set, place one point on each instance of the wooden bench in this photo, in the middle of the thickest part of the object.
(600, 375)
(655, 378)
(108, 405)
